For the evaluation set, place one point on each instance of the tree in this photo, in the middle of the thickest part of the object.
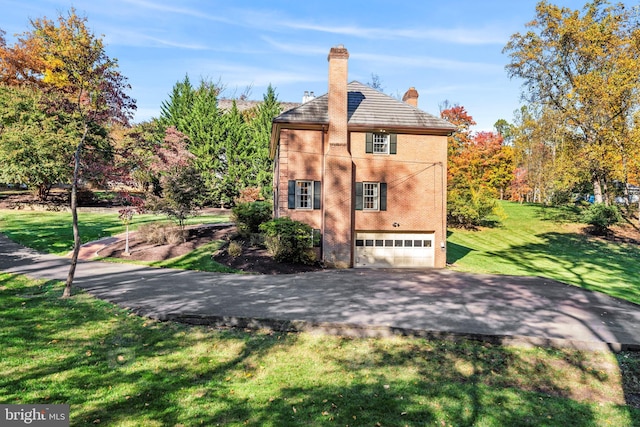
(231, 148)
(20, 64)
(505, 129)
(35, 145)
(479, 169)
(376, 82)
(585, 67)
(80, 79)
(260, 136)
(544, 152)
(194, 112)
(180, 183)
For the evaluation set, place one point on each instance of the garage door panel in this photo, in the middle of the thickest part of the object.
(394, 249)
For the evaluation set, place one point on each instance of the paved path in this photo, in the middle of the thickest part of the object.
(362, 302)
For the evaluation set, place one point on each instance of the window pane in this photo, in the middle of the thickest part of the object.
(359, 242)
(370, 195)
(380, 143)
(304, 194)
(398, 243)
(408, 243)
(427, 243)
(379, 243)
(417, 243)
(388, 243)
(368, 242)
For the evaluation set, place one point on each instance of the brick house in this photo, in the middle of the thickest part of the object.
(367, 171)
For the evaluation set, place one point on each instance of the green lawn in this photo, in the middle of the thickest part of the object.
(542, 241)
(51, 232)
(117, 369)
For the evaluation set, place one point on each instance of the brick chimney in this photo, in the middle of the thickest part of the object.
(411, 97)
(338, 167)
(338, 74)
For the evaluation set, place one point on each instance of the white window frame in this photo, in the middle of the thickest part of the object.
(381, 143)
(370, 196)
(304, 195)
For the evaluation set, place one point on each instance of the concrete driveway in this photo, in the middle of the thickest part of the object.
(431, 303)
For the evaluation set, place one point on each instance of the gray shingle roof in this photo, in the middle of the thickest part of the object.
(367, 107)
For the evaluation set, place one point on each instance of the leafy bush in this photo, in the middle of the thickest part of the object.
(469, 208)
(601, 217)
(289, 241)
(248, 216)
(161, 233)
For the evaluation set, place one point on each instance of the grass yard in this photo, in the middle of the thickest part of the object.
(542, 241)
(51, 232)
(118, 369)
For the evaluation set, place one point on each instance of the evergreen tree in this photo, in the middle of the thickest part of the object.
(260, 131)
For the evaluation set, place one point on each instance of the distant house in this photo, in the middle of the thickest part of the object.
(225, 104)
(367, 171)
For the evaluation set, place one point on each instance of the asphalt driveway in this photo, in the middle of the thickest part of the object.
(361, 302)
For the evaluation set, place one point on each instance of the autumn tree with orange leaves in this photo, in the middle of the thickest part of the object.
(68, 63)
(480, 169)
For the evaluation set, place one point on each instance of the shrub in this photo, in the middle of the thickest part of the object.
(161, 233)
(601, 217)
(249, 216)
(235, 249)
(289, 241)
(469, 208)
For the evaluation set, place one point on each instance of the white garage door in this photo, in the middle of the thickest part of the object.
(394, 249)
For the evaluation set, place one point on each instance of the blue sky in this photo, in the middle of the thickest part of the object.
(447, 50)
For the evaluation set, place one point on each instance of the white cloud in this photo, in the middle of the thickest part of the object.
(177, 10)
(475, 36)
(297, 49)
(427, 62)
(124, 37)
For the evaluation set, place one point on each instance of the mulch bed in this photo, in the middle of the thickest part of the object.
(252, 260)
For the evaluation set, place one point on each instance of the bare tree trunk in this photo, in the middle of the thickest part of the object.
(74, 215)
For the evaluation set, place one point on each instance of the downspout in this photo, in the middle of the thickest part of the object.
(322, 203)
(443, 242)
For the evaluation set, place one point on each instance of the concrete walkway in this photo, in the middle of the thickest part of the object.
(361, 302)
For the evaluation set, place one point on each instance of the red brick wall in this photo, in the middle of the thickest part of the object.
(299, 158)
(415, 186)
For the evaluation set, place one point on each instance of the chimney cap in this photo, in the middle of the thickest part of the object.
(411, 97)
(338, 51)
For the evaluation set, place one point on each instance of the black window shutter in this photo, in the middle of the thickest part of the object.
(383, 196)
(359, 196)
(316, 194)
(292, 194)
(393, 143)
(369, 143)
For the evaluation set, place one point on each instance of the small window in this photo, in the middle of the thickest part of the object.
(368, 242)
(408, 243)
(379, 243)
(370, 196)
(304, 194)
(417, 243)
(380, 143)
(398, 243)
(427, 243)
(388, 243)
(359, 242)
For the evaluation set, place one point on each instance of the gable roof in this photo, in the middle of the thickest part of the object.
(367, 108)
